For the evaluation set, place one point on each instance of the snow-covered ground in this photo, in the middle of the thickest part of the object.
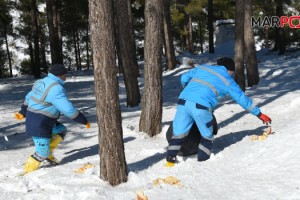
(239, 168)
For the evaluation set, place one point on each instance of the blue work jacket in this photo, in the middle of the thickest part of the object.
(44, 104)
(206, 85)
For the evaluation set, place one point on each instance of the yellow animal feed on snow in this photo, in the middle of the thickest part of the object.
(140, 196)
(262, 137)
(86, 166)
(171, 180)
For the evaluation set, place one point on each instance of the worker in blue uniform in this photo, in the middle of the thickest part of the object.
(42, 107)
(204, 86)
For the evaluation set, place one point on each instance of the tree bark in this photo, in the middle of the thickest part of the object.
(78, 49)
(150, 121)
(190, 36)
(239, 44)
(35, 32)
(266, 34)
(75, 49)
(58, 27)
(279, 31)
(31, 54)
(210, 27)
(54, 31)
(8, 55)
(117, 42)
(250, 52)
(127, 52)
(169, 46)
(186, 36)
(112, 156)
(43, 52)
(133, 45)
(87, 48)
(201, 36)
(118, 48)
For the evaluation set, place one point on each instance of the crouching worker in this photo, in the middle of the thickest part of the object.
(204, 86)
(42, 107)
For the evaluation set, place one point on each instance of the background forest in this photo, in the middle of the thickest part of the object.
(47, 32)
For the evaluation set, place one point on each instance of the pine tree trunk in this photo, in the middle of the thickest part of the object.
(31, 54)
(279, 31)
(250, 52)
(87, 48)
(43, 52)
(112, 156)
(75, 49)
(190, 36)
(78, 49)
(133, 45)
(35, 31)
(201, 36)
(281, 36)
(266, 33)
(54, 34)
(8, 55)
(118, 49)
(117, 41)
(58, 27)
(151, 116)
(127, 52)
(169, 46)
(210, 27)
(239, 44)
(186, 37)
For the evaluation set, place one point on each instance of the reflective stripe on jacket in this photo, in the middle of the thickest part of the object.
(45, 102)
(48, 97)
(206, 85)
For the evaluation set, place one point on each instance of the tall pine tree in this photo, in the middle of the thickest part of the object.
(112, 156)
(151, 116)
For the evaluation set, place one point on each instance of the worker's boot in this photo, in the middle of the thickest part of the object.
(31, 164)
(170, 161)
(54, 142)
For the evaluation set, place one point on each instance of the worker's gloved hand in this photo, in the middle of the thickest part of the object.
(88, 125)
(19, 116)
(266, 120)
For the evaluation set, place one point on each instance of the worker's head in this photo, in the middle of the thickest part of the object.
(191, 62)
(59, 70)
(228, 63)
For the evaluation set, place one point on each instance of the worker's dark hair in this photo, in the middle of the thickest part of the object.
(226, 62)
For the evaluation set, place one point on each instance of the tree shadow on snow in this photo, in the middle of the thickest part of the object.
(81, 153)
(146, 163)
(227, 140)
(15, 141)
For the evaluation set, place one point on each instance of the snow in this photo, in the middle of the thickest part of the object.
(238, 168)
